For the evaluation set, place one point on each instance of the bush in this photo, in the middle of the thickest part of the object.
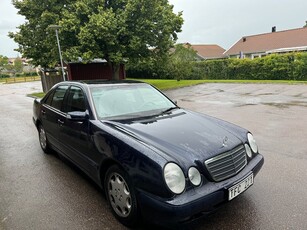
(26, 74)
(291, 66)
(2, 75)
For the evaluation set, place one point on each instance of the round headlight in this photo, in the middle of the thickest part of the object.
(248, 150)
(174, 178)
(252, 143)
(194, 176)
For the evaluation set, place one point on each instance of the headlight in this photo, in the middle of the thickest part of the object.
(174, 178)
(248, 150)
(194, 176)
(252, 143)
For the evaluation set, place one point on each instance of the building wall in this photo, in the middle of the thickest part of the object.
(92, 71)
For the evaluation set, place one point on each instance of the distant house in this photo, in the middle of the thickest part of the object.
(275, 42)
(25, 61)
(205, 52)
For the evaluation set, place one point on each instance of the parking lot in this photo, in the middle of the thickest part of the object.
(40, 191)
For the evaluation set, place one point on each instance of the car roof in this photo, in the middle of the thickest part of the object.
(101, 81)
(90, 83)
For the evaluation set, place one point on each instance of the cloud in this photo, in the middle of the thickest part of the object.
(224, 22)
(9, 20)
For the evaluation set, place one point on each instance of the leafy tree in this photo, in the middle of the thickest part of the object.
(305, 25)
(119, 30)
(178, 64)
(154, 66)
(181, 61)
(35, 40)
(4, 61)
(18, 65)
(114, 30)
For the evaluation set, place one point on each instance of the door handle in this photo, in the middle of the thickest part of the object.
(61, 122)
(43, 112)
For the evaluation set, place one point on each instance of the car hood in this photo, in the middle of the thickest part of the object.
(182, 136)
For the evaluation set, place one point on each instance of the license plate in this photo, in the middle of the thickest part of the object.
(240, 187)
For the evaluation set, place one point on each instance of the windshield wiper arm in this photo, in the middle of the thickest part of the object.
(169, 109)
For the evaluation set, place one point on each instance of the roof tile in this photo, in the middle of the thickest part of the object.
(270, 41)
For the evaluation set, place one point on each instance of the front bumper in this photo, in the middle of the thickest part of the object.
(198, 201)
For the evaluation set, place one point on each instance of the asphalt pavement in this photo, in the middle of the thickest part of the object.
(39, 191)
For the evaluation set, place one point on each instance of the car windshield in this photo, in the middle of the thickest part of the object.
(124, 101)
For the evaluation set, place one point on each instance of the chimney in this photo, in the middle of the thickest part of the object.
(273, 29)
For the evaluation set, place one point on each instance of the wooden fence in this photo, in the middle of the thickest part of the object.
(22, 79)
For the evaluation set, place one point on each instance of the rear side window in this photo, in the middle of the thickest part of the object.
(48, 100)
(58, 97)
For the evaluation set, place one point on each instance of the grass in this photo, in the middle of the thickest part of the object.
(173, 84)
(36, 95)
(163, 84)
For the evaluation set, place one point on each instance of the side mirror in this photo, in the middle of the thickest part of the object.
(77, 116)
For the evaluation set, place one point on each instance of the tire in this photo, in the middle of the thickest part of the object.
(121, 197)
(43, 139)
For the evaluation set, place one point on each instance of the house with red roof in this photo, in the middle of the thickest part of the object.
(261, 45)
(205, 52)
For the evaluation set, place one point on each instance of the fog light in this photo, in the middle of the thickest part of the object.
(248, 151)
(194, 176)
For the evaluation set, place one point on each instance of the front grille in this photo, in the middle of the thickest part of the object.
(227, 164)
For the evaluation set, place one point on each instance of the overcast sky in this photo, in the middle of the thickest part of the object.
(221, 22)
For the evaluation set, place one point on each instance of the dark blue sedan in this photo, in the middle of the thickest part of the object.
(152, 158)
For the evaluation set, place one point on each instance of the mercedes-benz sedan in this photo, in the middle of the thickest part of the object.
(152, 158)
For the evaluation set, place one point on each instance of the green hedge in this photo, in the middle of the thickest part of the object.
(26, 74)
(3, 75)
(292, 66)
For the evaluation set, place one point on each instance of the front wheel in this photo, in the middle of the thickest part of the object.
(43, 139)
(121, 196)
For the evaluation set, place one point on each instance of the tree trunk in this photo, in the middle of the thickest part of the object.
(115, 71)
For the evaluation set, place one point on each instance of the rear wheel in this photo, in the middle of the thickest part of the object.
(43, 139)
(121, 196)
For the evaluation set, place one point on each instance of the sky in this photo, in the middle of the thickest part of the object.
(221, 22)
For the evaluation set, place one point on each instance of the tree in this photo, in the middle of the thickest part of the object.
(35, 40)
(114, 30)
(177, 64)
(119, 30)
(181, 61)
(305, 25)
(4, 61)
(18, 65)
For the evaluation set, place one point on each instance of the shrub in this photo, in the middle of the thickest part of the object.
(291, 66)
(2, 75)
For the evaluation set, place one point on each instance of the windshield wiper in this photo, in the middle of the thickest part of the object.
(169, 109)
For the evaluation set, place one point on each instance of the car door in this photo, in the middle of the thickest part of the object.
(52, 114)
(75, 133)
